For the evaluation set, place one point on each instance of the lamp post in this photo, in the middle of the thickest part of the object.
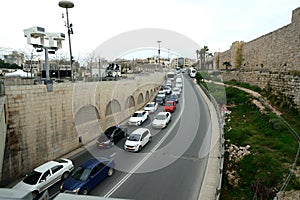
(158, 51)
(66, 5)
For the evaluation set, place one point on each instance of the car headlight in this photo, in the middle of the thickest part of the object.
(76, 190)
(107, 142)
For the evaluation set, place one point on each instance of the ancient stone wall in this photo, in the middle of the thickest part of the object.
(271, 60)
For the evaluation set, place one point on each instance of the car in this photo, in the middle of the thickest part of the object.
(138, 118)
(159, 100)
(168, 83)
(176, 91)
(137, 139)
(167, 89)
(88, 175)
(170, 106)
(46, 175)
(174, 97)
(161, 93)
(111, 136)
(151, 107)
(161, 120)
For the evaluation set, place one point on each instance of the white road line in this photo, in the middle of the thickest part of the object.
(120, 183)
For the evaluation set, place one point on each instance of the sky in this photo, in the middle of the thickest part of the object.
(213, 23)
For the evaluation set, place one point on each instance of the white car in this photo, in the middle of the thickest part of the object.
(138, 118)
(46, 175)
(151, 107)
(161, 93)
(161, 120)
(137, 139)
(176, 91)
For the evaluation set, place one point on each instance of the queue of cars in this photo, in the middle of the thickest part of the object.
(85, 177)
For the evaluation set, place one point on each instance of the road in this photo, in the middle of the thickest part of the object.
(172, 166)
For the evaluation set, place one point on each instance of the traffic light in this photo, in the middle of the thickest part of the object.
(72, 59)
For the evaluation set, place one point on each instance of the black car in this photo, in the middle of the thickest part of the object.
(111, 136)
(159, 100)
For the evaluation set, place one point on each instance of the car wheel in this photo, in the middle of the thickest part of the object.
(85, 191)
(35, 194)
(140, 148)
(65, 175)
(139, 123)
(110, 172)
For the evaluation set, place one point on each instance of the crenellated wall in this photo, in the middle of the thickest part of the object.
(46, 125)
(271, 60)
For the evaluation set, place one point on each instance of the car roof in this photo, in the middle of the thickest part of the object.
(46, 166)
(139, 111)
(140, 131)
(152, 102)
(93, 162)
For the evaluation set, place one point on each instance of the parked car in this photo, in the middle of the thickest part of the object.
(170, 106)
(138, 139)
(88, 175)
(161, 93)
(161, 120)
(176, 91)
(159, 100)
(174, 97)
(111, 136)
(138, 118)
(46, 175)
(151, 107)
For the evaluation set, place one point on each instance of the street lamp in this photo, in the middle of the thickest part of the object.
(158, 51)
(66, 5)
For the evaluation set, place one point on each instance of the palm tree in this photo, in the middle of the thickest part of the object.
(227, 64)
(203, 56)
(197, 53)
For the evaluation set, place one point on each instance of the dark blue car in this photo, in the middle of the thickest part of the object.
(174, 97)
(88, 175)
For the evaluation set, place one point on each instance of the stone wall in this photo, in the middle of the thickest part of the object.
(271, 60)
(46, 125)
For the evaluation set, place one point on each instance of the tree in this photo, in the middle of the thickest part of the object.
(29, 56)
(203, 52)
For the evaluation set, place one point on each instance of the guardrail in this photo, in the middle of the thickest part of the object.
(221, 140)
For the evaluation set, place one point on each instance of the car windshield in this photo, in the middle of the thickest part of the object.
(150, 105)
(81, 174)
(173, 96)
(160, 117)
(176, 89)
(32, 178)
(137, 115)
(134, 137)
(169, 104)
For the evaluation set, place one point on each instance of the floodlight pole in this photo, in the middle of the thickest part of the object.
(66, 5)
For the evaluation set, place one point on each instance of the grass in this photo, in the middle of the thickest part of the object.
(273, 148)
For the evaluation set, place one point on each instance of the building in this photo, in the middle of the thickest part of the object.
(14, 58)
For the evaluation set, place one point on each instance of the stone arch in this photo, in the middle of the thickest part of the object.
(130, 102)
(112, 107)
(86, 114)
(147, 96)
(151, 93)
(140, 99)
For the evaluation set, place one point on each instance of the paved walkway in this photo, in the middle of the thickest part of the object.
(213, 174)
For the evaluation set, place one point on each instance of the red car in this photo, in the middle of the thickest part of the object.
(170, 106)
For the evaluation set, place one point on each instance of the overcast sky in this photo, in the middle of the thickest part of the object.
(214, 23)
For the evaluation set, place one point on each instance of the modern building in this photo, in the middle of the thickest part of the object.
(14, 58)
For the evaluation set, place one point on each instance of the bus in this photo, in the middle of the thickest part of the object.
(192, 72)
(171, 76)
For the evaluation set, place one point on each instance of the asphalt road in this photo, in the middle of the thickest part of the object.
(172, 166)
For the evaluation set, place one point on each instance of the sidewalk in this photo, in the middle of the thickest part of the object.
(213, 175)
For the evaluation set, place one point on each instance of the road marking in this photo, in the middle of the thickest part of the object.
(127, 176)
